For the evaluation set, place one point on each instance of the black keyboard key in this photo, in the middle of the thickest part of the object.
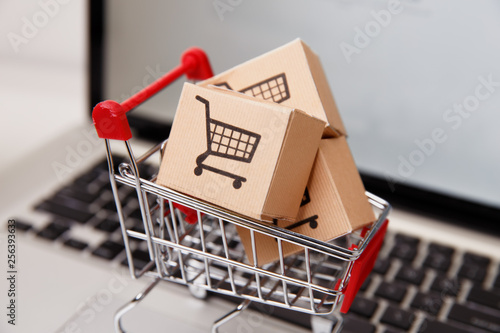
(76, 244)
(354, 324)
(401, 238)
(476, 259)
(363, 306)
(22, 226)
(439, 257)
(78, 193)
(412, 275)
(63, 210)
(233, 243)
(219, 241)
(131, 196)
(443, 249)
(381, 266)
(404, 251)
(107, 225)
(108, 250)
(474, 267)
(87, 178)
(53, 230)
(431, 326)
(366, 283)
(390, 330)
(475, 317)
(139, 227)
(430, 303)
(391, 291)
(438, 261)
(110, 205)
(485, 297)
(102, 166)
(473, 272)
(136, 214)
(405, 247)
(398, 317)
(442, 284)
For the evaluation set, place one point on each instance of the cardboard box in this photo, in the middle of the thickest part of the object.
(240, 153)
(333, 205)
(291, 75)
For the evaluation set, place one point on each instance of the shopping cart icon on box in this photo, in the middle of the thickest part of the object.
(312, 220)
(274, 89)
(226, 141)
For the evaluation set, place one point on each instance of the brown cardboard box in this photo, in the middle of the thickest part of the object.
(334, 203)
(291, 75)
(240, 153)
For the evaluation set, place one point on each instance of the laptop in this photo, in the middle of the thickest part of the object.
(416, 84)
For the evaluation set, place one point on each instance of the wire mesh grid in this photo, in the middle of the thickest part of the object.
(231, 141)
(209, 255)
(275, 88)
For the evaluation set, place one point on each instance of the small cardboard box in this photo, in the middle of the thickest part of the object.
(240, 153)
(291, 75)
(333, 204)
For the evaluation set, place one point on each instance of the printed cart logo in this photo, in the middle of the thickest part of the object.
(226, 141)
(306, 198)
(312, 220)
(275, 88)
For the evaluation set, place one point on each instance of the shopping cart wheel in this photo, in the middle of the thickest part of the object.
(237, 183)
(198, 170)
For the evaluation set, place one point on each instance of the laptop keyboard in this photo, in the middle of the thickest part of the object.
(415, 286)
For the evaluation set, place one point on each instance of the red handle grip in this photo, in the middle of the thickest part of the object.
(110, 118)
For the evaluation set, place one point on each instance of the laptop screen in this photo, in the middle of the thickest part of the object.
(417, 83)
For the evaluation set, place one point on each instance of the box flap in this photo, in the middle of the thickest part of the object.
(324, 90)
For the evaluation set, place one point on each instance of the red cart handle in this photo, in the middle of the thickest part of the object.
(363, 266)
(109, 117)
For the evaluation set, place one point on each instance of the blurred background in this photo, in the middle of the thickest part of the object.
(43, 74)
(397, 70)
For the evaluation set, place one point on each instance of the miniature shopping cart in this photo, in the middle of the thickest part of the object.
(194, 243)
(273, 89)
(226, 141)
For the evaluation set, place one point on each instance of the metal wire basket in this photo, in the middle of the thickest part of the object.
(195, 243)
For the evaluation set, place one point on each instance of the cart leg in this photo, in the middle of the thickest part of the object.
(129, 306)
(224, 319)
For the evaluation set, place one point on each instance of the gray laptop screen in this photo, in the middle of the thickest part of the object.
(417, 82)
